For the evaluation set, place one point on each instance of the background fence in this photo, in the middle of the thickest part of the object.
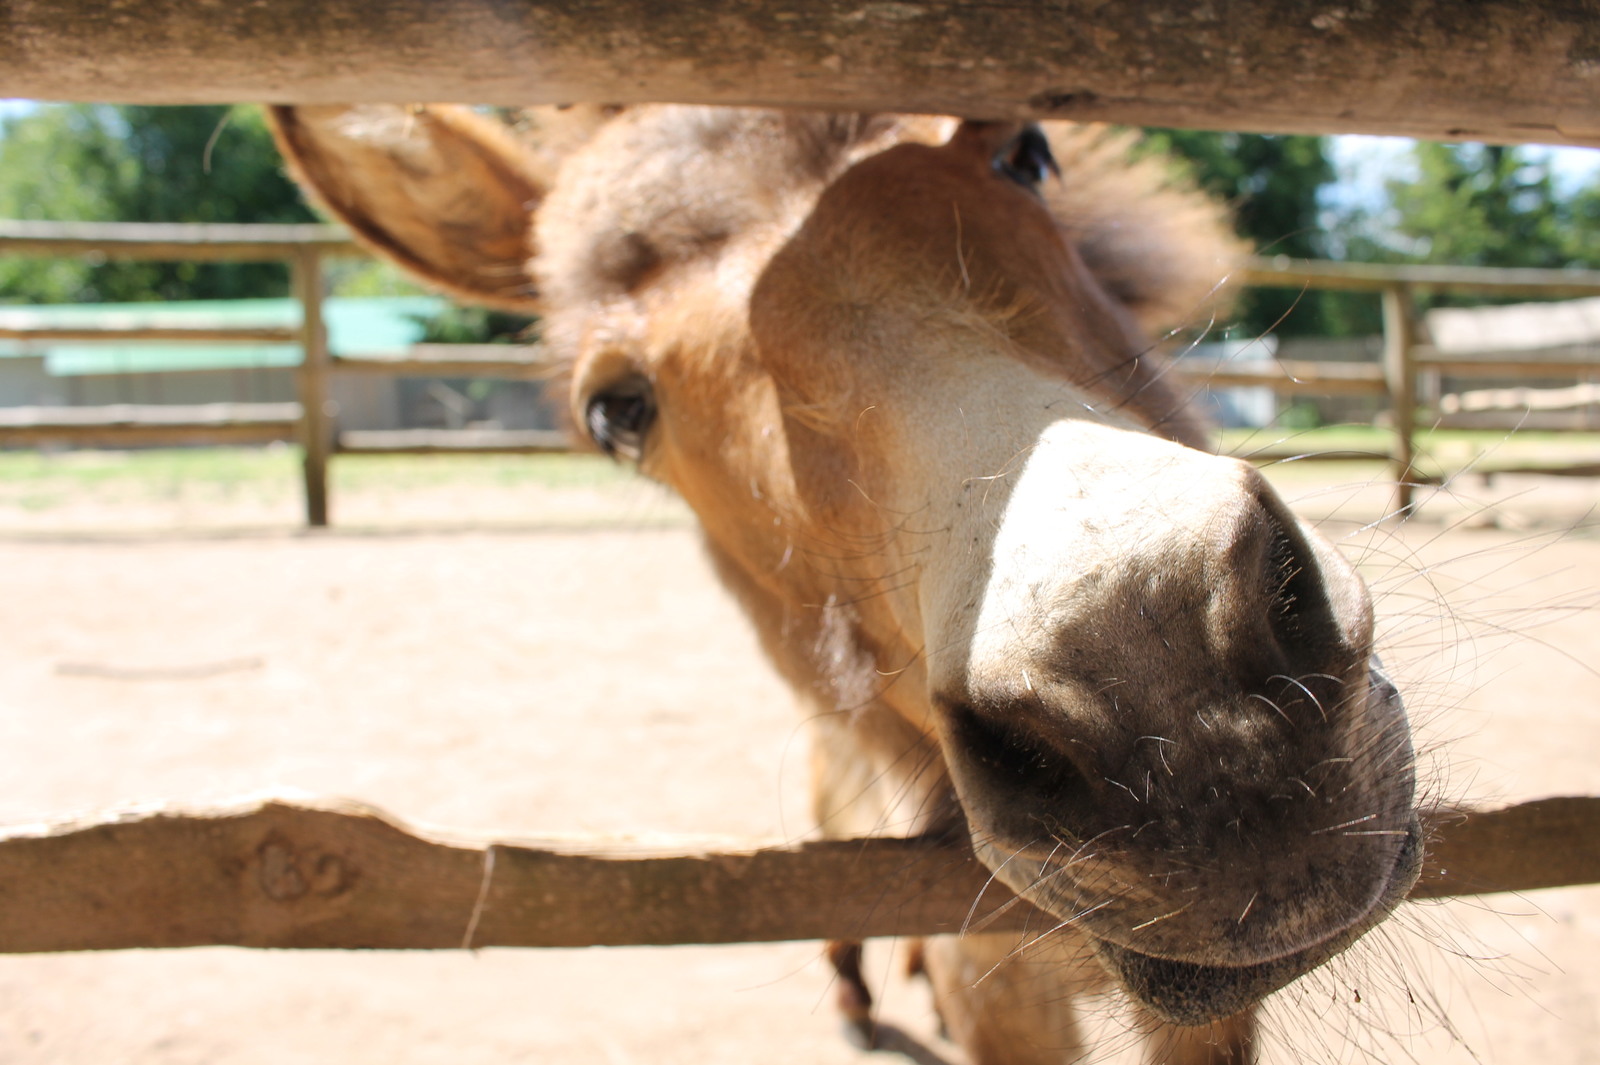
(1405, 377)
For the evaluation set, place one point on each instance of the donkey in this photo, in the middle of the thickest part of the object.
(900, 369)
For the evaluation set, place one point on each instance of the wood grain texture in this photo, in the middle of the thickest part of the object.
(1500, 70)
(275, 873)
(174, 241)
(128, 424)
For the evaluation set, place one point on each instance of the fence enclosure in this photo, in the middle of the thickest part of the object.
(310, 421)
(278, 874)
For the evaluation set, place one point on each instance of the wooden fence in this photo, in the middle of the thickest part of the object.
(310, 421)
(1497, 72)
(276, 873)
(285, 875)
(1394, 380)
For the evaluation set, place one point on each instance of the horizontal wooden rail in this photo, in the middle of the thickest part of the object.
(507, 361)
(1500, 72)
(1375, 277)
(1522, 422)
(1570, 469)
(280, 874)
(126, 424)
(1521, 399)
(447, 441)
(304, 245)
(1275, 454)
(208, 333)
(1474, 366)
(178, 241)
(1289, 376)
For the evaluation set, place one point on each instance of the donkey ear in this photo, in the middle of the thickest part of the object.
(443, 191)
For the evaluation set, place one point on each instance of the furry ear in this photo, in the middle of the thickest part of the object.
(1161, 247)
(446, 193)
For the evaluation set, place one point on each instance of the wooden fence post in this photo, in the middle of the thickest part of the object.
(1400, 370)
(312, 383)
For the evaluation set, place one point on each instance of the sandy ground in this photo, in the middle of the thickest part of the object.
(467, 662)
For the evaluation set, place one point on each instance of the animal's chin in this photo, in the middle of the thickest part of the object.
(1189, 994)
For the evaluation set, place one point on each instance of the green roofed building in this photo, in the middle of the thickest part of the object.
(92, 373)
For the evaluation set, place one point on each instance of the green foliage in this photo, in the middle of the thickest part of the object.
(1474, 205)
(476, 325)
(1273, 186)
(1270, 182)
(92, 163)
(1480, 205)
(1462, 204)
(364, 277)
(1300, 415)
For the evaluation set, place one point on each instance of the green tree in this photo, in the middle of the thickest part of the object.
(1487, 205)
(1476, 205)
(90, 162)
(1273, 185)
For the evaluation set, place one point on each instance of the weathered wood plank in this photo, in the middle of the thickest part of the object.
(126, 424)
(1283, 272)
(152, 415)
(278, 874)
(1274, 453)
(176, 241)
(1531, 365)
(1546, 843)
(1526, 71)
(1520, 400)
(197, 333)
(1510, 421)
(507, 361)
(1289, 376)
(447, 441)
(272, 874)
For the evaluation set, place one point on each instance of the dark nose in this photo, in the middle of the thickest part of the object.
(1214, 670)
(1247, 604)
(1286, 615)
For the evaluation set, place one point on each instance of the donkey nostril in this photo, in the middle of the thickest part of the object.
(1011, 754)
(1283, 570)
(1298, 612)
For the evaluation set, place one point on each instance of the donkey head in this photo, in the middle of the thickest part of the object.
(898, 368)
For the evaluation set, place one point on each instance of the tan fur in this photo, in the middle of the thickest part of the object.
(914, 402)
(446, 193)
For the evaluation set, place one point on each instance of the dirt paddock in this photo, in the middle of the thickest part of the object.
(512, 673)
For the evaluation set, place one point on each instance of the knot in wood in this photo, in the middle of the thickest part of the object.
(1052, 101)
(286, 873)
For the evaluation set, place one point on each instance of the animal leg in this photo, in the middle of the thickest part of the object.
(1226, 1042)
(852, 796)
(850, 994)
(1004, 1006)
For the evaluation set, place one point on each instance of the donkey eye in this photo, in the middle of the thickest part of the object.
(620, 416)
(1026, 158)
